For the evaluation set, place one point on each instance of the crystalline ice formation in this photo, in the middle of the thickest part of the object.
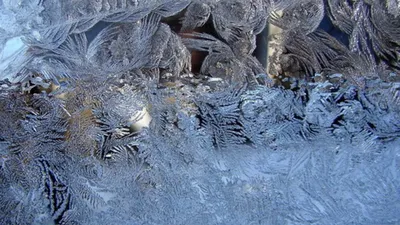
(165, 112)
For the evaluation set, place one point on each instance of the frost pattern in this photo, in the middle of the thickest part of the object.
(314, 140)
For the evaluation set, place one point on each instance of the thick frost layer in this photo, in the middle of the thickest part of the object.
(312, 140)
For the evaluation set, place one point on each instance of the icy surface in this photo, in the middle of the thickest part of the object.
(159, 112)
